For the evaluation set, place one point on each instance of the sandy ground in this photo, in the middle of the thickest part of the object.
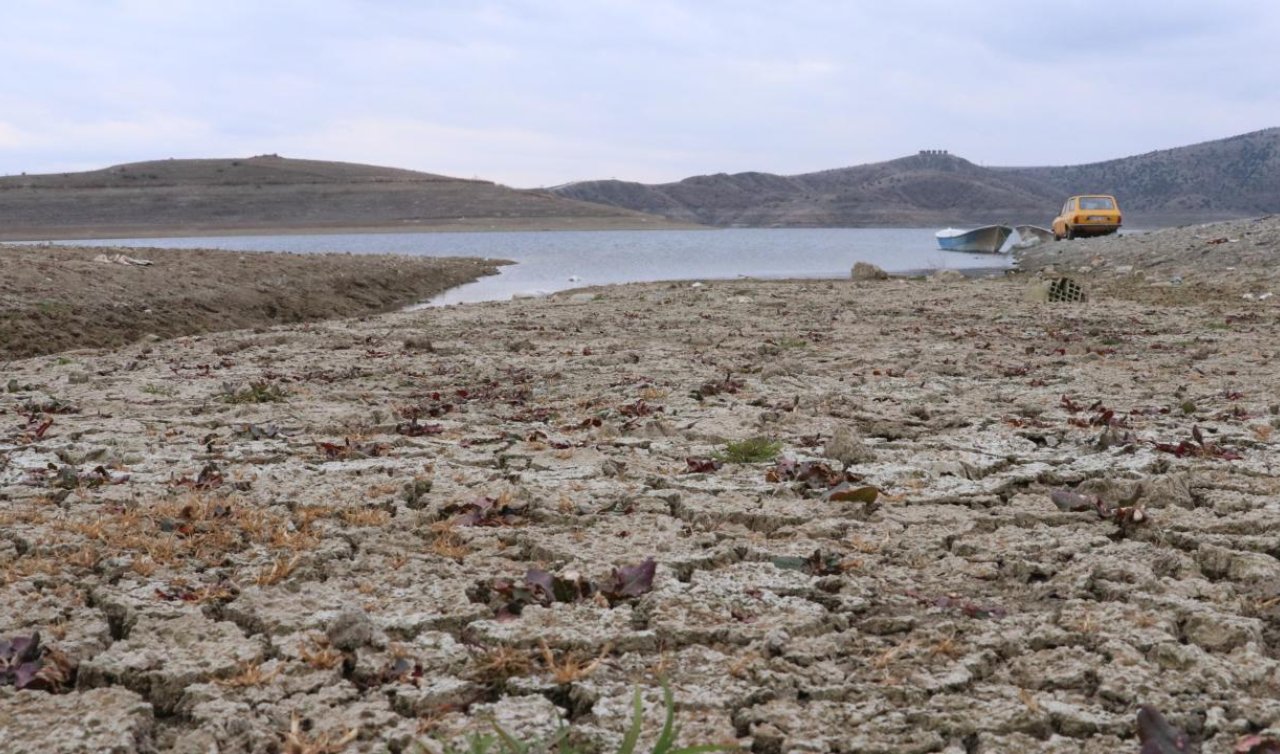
(991, 525)
(55, 298)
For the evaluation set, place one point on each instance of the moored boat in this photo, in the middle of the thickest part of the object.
(987, 239)
(1030, 235)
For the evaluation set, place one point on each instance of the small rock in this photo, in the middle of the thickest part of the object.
(776, 641)
(847, 448)
(1037, 291)
(1221, 633)
(867, 271)
(1171, 489)
(947, 276)
(1249, 567)
(610, 467)
(351, 630)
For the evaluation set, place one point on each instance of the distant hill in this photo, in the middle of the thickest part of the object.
(271, 193)
(1234, 177)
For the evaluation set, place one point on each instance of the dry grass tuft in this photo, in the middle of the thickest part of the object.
(501, 663)
(318, 653)
(447, 543)
(947, 647)
(653, 394)
(251, 674)
(571, 666)
(365, 517)
(741, 667)
(1029, 700)
(278, 571)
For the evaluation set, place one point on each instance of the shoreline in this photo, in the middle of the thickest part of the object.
(479, 225)
(485, 225)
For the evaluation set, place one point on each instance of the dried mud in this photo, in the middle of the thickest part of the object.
(285, 562)
(55, 298)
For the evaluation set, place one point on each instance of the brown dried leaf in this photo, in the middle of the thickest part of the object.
(845, 492)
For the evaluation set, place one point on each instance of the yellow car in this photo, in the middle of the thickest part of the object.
(1092, 215)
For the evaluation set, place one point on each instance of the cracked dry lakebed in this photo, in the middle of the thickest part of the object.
(922, 515)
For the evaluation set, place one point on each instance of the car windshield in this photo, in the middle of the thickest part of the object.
(1097, 202)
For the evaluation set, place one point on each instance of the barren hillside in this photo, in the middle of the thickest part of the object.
(271, 193)
(1234, 177)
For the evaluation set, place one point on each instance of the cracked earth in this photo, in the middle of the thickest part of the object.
(323, 526)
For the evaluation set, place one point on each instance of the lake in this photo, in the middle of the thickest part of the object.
(549, 261)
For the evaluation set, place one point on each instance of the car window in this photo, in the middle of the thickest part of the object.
(1097, 202)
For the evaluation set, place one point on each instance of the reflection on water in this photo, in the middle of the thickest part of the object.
(549, 261)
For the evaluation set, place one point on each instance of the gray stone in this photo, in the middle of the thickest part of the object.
(1170, 489)
(351, 629)
(1248, 567)
(1222, 633)
(947, 276)
(867, 271)
(847, 448)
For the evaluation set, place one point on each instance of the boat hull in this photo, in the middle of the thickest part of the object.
(1030, 235)
(987, 239)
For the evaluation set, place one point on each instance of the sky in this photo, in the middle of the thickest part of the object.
(543, 92)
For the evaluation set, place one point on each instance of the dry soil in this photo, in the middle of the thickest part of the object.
(320, 535)
(55, 298)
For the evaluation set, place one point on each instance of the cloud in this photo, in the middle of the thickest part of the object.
(533, 93)
(11, 137)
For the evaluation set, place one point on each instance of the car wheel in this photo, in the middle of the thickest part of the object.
(1071, 233)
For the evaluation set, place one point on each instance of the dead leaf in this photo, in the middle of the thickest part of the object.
(847, 493)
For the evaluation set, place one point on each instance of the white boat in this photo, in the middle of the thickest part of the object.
(987, 239)
(1030, 235)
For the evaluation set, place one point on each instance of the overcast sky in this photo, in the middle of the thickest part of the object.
(541, 92)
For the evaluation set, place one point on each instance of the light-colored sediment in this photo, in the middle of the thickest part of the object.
(55, 298)
(964, 611)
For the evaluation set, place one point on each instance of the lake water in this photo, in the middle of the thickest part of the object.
(549, 261)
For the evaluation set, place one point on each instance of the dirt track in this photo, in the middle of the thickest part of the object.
(336, 523)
